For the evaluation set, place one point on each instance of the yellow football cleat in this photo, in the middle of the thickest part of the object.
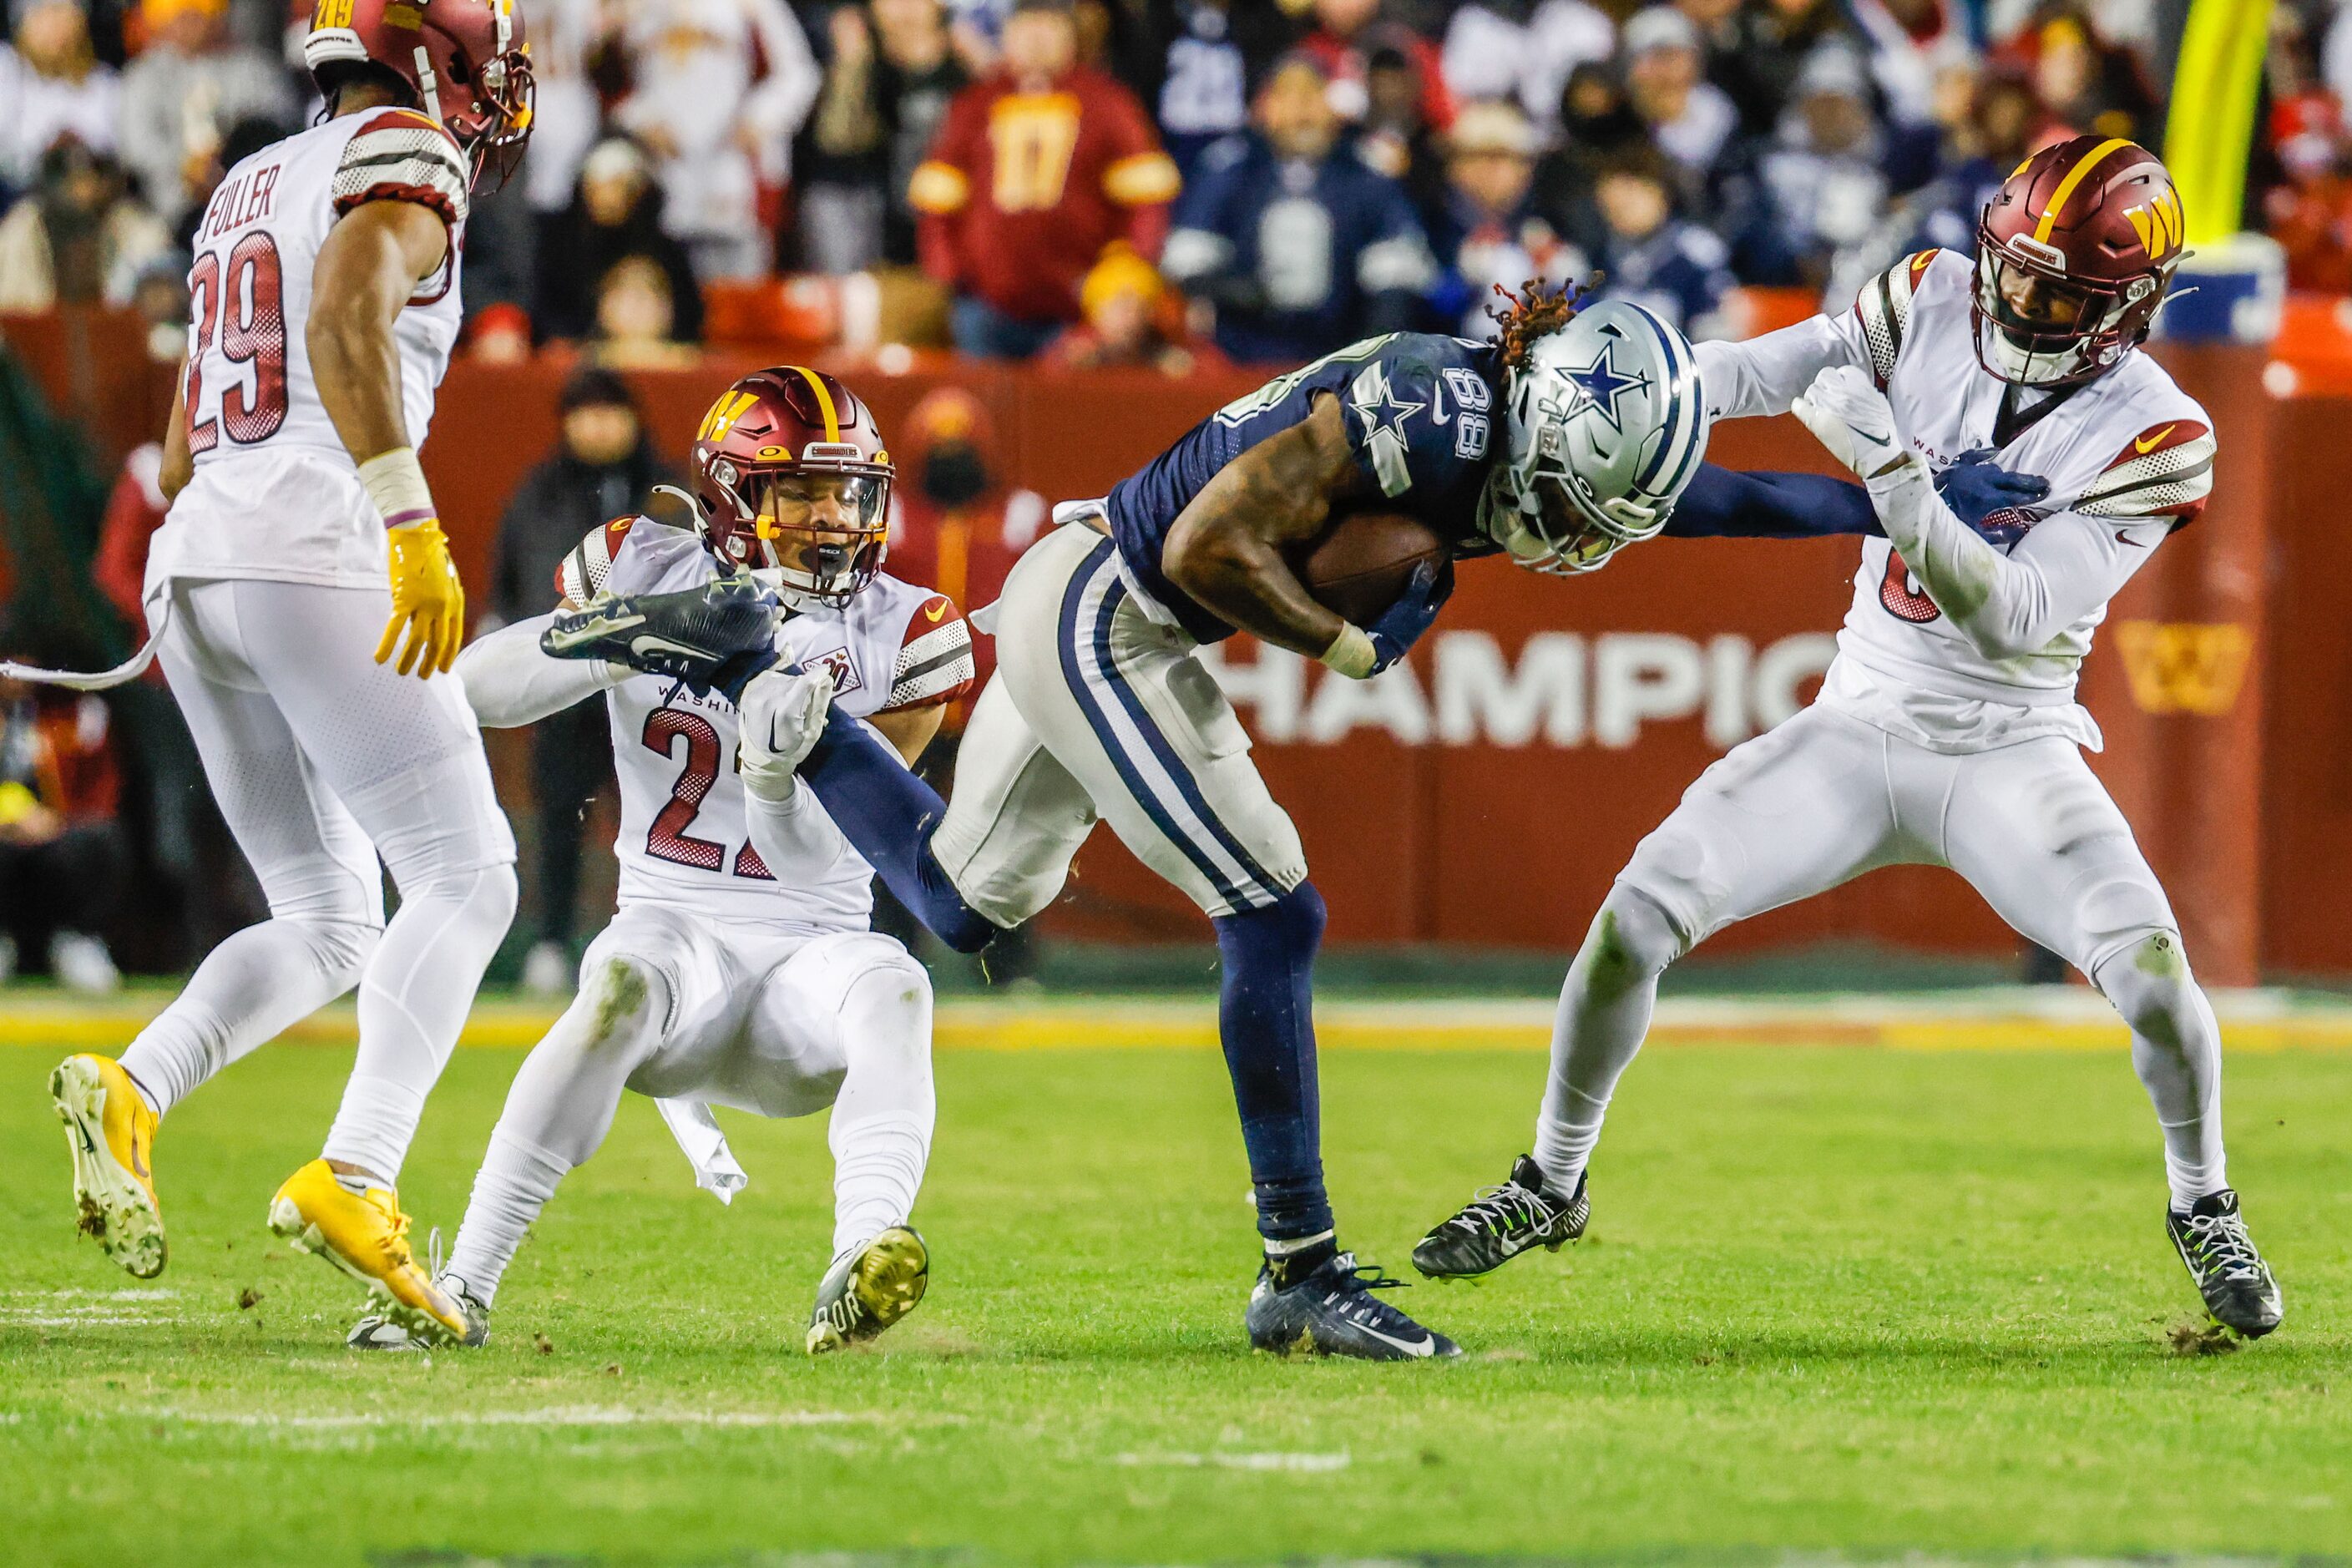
(110, 1133)
(366, 1237)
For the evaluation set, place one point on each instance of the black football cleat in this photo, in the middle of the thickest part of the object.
(2230, 1273)
(717, 635)
(1333, 1311)
(1500, 1223)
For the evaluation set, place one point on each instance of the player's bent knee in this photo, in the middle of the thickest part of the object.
(619, 995)
(1631, 938)
(2150, 984)
(341, 947)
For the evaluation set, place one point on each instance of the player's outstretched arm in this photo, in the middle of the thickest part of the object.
(2008, 605)
(1765, 374)
(368, 270)
(792, 738)
(1728, 503)
(511, 681)
(1225, 549)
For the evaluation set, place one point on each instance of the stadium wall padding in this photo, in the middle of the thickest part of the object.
(1489, 797)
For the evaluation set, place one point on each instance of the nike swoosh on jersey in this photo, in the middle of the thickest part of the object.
(2124, 537)
(2147, 444)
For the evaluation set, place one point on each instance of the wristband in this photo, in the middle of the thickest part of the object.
(1352, 653)
(395, 482)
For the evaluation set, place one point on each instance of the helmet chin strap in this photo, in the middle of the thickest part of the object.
(428, 86)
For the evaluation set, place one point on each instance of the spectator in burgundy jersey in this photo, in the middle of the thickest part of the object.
(1037, 169)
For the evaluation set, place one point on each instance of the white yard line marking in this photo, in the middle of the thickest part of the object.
(553, 1416)
(1297, 1464)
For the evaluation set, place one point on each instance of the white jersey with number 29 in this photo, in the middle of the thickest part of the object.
(276, 495)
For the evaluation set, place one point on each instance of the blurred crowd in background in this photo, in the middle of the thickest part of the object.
(1154, 182)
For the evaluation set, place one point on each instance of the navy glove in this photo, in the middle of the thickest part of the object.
(1977, 490)
(1399, 625)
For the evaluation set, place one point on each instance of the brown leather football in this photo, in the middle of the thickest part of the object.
(1362, 562)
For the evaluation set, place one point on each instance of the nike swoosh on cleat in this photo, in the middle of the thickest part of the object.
(648, 644)
(1426, 1346)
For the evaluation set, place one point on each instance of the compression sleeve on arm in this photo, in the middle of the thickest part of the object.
(887, 815)
(2013, 605)
(1728, 503)
(1764, 375)
(511, 681)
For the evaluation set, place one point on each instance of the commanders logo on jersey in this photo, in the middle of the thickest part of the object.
(844, 667)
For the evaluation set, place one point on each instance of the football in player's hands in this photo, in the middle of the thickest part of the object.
(1848, 414)
(1362, 564)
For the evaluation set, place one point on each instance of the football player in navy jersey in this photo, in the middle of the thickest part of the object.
(1573, 433)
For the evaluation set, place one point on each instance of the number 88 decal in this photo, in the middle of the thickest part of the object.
(244, 302)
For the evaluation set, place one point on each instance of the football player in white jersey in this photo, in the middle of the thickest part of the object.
(1947, 730)
(741, 968)
(301, 552)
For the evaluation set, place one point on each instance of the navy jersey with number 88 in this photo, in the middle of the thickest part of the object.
(1422, 414)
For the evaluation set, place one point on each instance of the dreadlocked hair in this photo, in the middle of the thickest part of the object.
(1538, 309)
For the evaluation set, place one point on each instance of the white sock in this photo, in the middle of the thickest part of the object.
(515, 1182)
(557, 1112)
(251, 988)
(413, 1002)
(1604, 1012)
(882, 1119)
(2176, 1052)
(372, 1128)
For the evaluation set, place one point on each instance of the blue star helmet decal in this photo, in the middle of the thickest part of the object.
(1601, 384)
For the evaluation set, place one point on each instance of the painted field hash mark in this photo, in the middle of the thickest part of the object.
(560, 1416)
(1297, 1464)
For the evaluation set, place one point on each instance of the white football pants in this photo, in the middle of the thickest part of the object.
(1825, 797)
(681, 1007)
(1098, 712)
(321, 760)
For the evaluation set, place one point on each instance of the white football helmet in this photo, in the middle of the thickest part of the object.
(1605, 426)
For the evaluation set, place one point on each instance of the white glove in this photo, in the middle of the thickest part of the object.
(781, 715)
(1852, 417)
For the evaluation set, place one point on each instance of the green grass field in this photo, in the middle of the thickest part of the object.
(1864, 1302)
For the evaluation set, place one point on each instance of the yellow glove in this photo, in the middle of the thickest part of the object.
(427, 601)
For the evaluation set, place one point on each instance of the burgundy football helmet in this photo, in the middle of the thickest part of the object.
(465, 59)
(2073, 255)
(791, 479)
